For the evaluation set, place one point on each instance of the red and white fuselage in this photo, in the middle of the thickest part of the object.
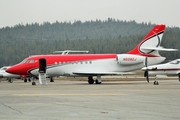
(97, 64)
(84, 64)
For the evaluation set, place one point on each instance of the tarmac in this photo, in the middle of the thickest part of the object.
(77, 100)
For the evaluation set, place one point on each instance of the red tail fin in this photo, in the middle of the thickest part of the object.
(150, 41)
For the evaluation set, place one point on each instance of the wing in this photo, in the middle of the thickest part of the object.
(100, 73)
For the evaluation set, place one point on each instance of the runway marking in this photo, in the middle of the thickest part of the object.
(72, 94)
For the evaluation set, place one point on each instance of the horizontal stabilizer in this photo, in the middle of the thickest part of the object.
(160, 48)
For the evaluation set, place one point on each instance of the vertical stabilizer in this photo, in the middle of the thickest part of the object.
(150, 42)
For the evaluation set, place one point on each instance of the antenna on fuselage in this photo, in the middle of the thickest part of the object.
(66, 52)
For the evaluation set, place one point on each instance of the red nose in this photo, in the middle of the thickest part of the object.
(16, 69)
(12, 70)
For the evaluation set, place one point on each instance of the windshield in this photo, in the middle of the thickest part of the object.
(27, 61)
(3, 68)
(24, 61)
(175, 62)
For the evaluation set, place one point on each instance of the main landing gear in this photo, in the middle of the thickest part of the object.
(10, 80)
(91, 80)
(51, 79)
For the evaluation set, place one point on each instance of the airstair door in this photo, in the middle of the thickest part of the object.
(42, 71)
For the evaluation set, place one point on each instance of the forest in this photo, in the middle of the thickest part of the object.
(108, 36)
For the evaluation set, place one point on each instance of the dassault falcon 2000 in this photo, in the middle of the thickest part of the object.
(89, 65)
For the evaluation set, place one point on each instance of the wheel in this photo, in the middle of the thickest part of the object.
(10, 80)
(98, 82)
(33, 83)
(51, 79)
(156, 82)
(29, 79)
(90, 80)
(25, 80)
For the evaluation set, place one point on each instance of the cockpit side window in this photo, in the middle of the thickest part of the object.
(28, 61)
(31, 61)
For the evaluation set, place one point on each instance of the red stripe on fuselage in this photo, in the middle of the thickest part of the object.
(50, 59)
(23, 68)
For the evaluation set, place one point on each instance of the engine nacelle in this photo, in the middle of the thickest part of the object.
(128, 59)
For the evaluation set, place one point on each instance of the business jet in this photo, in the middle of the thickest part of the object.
(90, 65)
(170, 68)
(9, 76)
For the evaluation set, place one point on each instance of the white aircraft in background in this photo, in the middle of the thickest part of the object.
(170, 68)
(89, 65)
(9, 76)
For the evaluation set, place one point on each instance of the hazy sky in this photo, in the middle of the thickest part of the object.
(30, 11)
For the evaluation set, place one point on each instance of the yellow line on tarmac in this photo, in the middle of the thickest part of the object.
(72, 94)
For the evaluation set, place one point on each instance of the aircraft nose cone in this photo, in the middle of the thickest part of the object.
(13, 70)
(10, 70)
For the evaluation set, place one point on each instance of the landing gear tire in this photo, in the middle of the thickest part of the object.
(51, 79)
(156, 82)
(98, 82)
(33, 83)
(29, 79)
(10, 80)
(25, 80)
(90, 80)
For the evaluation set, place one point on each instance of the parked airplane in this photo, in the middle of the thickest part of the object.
(9, 76)
(170, 68)
(90, 65)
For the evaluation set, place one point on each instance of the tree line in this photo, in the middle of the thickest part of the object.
(109, 36)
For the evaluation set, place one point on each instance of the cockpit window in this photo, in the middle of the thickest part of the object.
(175, 62)
(31, 61)
(27, 61)
(24, 61)
(4, 68)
